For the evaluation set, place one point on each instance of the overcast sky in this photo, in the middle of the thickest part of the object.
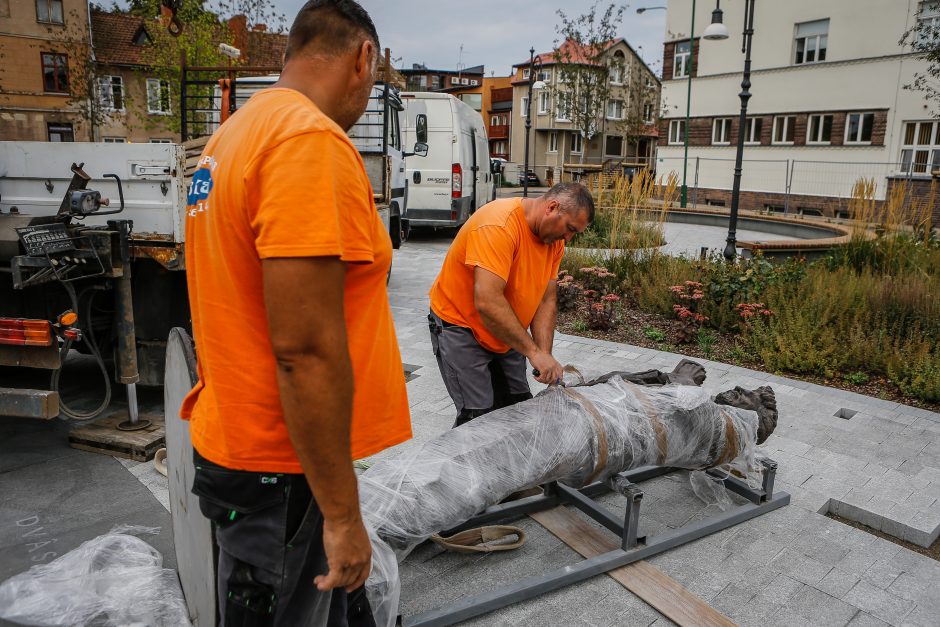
(493, 33)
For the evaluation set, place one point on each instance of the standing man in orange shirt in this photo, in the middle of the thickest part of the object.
(493, 304)
(299, 367)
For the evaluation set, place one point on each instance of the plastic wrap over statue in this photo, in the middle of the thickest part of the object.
(574, 434)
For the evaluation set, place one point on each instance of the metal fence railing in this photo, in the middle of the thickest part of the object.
(784, 178)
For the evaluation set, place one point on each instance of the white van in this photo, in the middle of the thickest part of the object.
(377, 137)
(454, 180)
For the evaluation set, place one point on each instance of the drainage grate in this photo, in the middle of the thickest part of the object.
(845, 414)
(410, 370)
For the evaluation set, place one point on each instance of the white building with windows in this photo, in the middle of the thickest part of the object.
(828, 106)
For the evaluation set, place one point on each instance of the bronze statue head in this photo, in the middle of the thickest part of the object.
(761, 400)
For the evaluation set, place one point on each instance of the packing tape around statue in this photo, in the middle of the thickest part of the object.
(572, 434)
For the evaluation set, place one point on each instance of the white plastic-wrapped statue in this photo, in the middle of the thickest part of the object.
(574, 435)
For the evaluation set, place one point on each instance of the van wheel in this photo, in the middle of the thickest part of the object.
(394, 228)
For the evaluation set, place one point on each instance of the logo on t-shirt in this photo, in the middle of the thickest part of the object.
(197, 198)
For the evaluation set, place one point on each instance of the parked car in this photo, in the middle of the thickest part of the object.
(533, 179)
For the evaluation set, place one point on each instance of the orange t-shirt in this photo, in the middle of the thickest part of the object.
(280, 179)
(496, 238)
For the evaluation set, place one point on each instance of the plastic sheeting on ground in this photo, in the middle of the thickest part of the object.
(572, 435)
(113, 580)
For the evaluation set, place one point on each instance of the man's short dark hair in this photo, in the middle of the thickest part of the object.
(572, 197)
(332, 26)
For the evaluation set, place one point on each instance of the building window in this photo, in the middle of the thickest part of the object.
(160, 140)
(435, 82)
(676, 131)
(920, 152)
(553, 141)
(563, 107)
(752, 130)
(111, 90)
(545, 76)
(544, 102)
(525, 73)
(682, 63)
(616, 75)
(784, 129)
(577, 143)
(55, 72)
(615, 110)
(858, 127)
(524, 106)
(812, 39)
(928, 23)
(49, 11)
(475, 101)
(819, 130)
(721, 131)
(494, 120)
(114, 140)
(613, 145)
(60, 132)
(158, 96)
(647, 113)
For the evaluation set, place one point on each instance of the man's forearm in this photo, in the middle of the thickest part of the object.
(543, 325)
(316, 396)
(501, 321)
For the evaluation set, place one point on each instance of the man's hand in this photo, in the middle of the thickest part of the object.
(550, 371)
(348, 555)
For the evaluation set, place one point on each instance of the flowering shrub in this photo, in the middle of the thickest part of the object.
(597, 278)
(752, 311)
(602, 315)
(688, 297)
(568, 292)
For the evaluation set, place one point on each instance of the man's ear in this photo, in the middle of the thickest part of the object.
(365, 57)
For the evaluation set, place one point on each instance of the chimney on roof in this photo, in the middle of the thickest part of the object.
(238, 27)
(260, 28)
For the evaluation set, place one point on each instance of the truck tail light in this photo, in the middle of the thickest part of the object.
(20, 332)
(456, 181)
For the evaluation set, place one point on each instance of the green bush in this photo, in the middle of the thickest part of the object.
(915, 369)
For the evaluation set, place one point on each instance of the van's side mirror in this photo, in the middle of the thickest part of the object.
(421, 150)
(496, 167)
(421, 128)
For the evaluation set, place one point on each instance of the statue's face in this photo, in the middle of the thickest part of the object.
(761, 400)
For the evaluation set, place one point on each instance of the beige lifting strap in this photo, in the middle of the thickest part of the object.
(482, 539)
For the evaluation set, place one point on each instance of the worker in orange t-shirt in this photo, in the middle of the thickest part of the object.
(299, 367)
(493, 304)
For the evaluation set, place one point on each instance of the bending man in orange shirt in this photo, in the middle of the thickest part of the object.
(496, 286)
(299, 367)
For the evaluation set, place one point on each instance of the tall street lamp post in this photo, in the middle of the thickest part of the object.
(717, 30)
(684, 197)
(535, 65)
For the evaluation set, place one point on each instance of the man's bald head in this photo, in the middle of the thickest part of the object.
(330, 28)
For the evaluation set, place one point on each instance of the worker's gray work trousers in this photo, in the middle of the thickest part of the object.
(269, 532)
(478, 380)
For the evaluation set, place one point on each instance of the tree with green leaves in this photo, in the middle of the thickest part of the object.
(204, 28)
(924, 40)
(582, 87)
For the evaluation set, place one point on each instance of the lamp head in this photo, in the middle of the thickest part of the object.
(538, 85)
(716, 30)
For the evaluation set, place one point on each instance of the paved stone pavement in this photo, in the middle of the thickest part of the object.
(794, 566)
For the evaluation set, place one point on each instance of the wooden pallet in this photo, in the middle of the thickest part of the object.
(103, 436)
(655, 587)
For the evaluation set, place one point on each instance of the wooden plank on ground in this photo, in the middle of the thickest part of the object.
(660, 591)
(103, 436)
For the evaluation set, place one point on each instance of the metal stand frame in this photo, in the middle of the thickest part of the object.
(632, 549)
